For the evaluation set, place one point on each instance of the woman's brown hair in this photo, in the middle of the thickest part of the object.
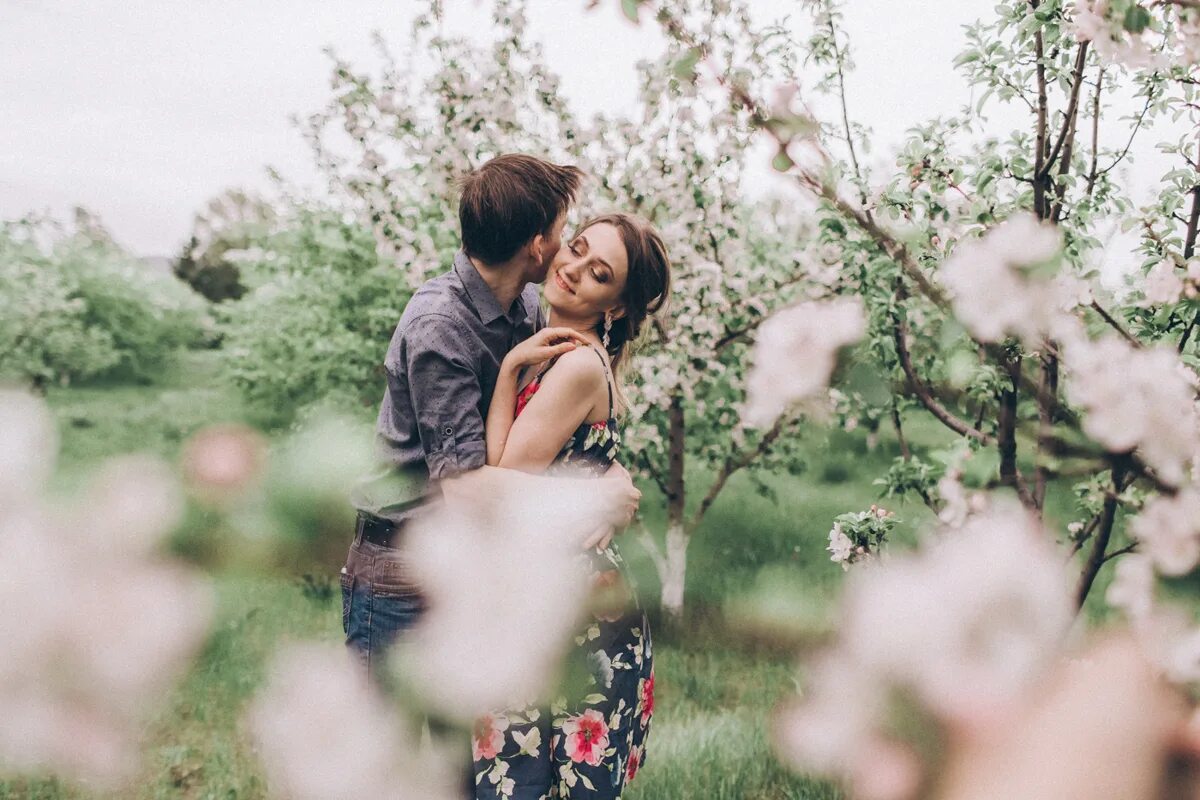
(647, 284)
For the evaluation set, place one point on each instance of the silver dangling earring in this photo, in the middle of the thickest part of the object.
(607, 329)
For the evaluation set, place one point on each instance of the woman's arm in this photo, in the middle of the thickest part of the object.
(501, 412)
(567, 397)
(544, 345)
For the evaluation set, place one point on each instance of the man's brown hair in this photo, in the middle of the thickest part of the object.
(511, 199)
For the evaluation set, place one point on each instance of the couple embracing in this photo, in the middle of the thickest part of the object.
(479, 376)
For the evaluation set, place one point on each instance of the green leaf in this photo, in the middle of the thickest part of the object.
(630, 7)
(685, 67)
(1137, 19)
(782, 161)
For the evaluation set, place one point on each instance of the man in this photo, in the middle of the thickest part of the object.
(441, 367)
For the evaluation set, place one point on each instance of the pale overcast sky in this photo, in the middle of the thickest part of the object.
(143, 109)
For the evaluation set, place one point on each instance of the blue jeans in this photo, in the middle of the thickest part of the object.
(379, 603)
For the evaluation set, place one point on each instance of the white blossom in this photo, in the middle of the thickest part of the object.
(1095, 22)
(1135, 398)
(83, 667)
(323, 732)
(996, 290)
(795, 353)
(505, 575)
(28, 445)
(840, 546)
(1163, 284)
(1132, 587)
(1169, 531)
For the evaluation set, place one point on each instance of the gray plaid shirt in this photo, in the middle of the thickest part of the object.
(441, 367)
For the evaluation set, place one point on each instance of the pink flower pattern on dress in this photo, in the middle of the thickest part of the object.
(587, 737)
(647, 699)
(488, 737)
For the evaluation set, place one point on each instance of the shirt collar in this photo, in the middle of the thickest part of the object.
(481, 294)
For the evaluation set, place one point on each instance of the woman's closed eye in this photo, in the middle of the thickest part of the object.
(600, 275)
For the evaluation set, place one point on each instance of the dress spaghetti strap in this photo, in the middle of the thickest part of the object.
(607, 379)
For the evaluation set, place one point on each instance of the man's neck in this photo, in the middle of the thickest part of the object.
(506, 280)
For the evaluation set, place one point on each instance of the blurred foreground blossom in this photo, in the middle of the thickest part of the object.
(1005, 282)
(795, 352)
(28, 444)
(1141, 399)
(83, 666)
(222, 463)
(503, 569)
(325, 733)
(962, 629)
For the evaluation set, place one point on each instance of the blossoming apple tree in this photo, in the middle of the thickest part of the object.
(976, 262)
(393, 146)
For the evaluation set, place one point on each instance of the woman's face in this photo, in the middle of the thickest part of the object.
(588, 275)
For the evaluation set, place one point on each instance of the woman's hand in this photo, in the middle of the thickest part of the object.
(544, 345)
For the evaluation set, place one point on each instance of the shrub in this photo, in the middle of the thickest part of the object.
(74, 305)
(319, 329)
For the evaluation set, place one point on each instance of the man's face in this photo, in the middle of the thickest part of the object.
(551, 243)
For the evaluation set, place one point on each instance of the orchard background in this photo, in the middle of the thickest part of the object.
(978, 347)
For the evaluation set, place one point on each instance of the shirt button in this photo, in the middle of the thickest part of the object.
(448, 431)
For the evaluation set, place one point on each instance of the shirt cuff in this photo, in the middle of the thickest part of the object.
(456, 459)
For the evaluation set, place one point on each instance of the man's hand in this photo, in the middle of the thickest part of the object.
(631, 494)
(603, 535)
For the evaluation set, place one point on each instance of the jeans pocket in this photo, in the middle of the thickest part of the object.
(347, 582)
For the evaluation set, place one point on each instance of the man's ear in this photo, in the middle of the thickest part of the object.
(537, 245)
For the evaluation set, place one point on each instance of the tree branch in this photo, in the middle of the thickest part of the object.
(736, 463)
(1107, 317)
(943, 415)
(1096, 558)
(1068, 127)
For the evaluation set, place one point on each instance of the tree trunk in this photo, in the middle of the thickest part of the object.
(674, 570)
(674, 566)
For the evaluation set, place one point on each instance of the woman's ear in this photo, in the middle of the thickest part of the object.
(617, 312)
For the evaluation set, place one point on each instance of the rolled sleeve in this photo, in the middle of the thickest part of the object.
(446, 395)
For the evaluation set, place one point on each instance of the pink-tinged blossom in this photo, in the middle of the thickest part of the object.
(1169, 531)
(28, 445)
(504, 573)
(968, 622)
(964, 627)
(131, 503)
(1163, 284)
(999, 284)
(222, 462)
(323, 731)
(1132, 587)
(1095, 21)
(82, 669)
(586, 737)
(826, 730)
(794, 355)
(1135, 399)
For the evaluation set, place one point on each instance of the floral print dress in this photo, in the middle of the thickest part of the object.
(591, 743)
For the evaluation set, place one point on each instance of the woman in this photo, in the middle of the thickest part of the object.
(557, 416)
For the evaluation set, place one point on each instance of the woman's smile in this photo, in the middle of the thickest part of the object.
(562, 284)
